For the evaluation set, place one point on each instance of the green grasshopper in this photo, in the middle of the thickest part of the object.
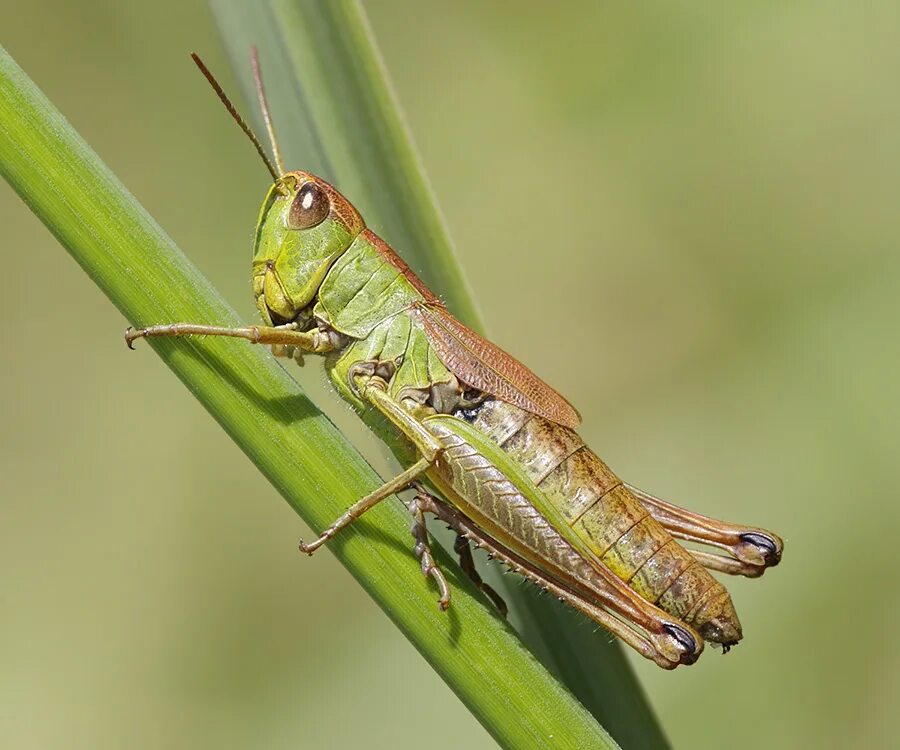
(488, 447)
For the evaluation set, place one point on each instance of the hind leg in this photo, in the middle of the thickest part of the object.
(672, 644)
(752, 550)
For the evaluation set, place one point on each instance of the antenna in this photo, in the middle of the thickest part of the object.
(223, 97)
(264, 106)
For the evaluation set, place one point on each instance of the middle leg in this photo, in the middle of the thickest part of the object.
(374, 390)
(467, 563)
(423, 551)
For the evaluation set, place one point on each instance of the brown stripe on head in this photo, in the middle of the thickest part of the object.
(387, 252)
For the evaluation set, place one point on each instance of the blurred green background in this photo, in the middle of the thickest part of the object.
(684, 216)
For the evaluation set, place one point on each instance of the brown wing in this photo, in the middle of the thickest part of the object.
(485, 366)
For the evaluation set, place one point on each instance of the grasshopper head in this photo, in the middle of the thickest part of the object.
(304, 227)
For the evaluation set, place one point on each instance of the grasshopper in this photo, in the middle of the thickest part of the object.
(487, 446)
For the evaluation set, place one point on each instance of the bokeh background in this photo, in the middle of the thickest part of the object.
(709, 196)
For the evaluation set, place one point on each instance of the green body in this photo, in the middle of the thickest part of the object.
(563, 510)
(370, 301)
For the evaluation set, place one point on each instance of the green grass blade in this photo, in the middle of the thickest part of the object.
(317, 471)
(336, 115)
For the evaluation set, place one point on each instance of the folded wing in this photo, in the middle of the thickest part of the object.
(485, 366)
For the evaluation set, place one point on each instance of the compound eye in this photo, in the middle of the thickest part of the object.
(310, 207)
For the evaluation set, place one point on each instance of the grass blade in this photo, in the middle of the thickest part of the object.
(148, 278)
(337, 117)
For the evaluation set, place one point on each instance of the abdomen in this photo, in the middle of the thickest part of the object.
(603, 513)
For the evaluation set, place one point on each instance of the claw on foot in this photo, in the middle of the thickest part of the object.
(130, 335)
